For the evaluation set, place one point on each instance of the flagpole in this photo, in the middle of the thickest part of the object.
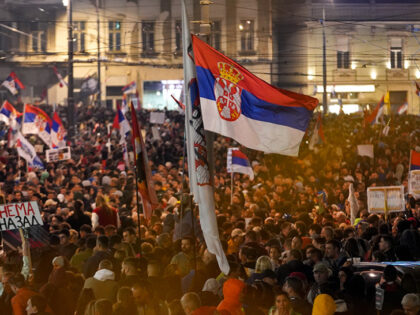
(23, 118)
(138, 203)
(231, 188)
(409, 161)
(181, 213)
(193, 231)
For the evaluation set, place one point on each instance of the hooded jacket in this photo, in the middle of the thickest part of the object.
(103, 284)
(323, 305)
(232, 290)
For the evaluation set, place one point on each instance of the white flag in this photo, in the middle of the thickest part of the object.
(27, 151)
(198, 168)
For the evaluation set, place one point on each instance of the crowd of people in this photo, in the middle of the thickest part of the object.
(287, 234)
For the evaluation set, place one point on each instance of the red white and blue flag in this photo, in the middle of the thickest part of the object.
(237, 162)
(36, 121)
(8, 113)
(59, 77)
(414, 160)
(373, 118)
(13, 84)
(239, 105)
(124, 104)
(130, 88)
(58, 132)
(121, 123)
(403, 108)
(12, 118)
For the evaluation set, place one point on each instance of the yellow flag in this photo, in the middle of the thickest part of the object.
(387, 103)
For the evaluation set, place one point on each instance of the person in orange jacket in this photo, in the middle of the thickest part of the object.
(232, 302)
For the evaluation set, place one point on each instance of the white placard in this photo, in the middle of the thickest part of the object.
(39, 148)
(365, 150)
(414, 183)
(157, 118)
(155, 133)
(394, 199)
(60, 154)
(19, 216)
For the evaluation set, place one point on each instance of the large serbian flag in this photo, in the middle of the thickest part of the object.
(237, 162)
(144, 175)
(414, 160)
(58, 132)
(36, 121)
(239, 105)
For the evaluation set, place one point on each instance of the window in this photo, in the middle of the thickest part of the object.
(247, 35)
(79, 29)
(343, 54)
(5, 40)
(396, 53)
(38, 39)
(178, 36)
(148, 37)
(114, 40)
(216, 35)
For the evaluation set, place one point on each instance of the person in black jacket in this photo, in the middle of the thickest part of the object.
(78, 218)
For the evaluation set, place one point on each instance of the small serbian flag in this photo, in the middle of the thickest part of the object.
(414, 160)
(8, 113)
(403, 108)
(121, 123)
(373, 118)
(237, 104)
(237, 162)
(13, 84)
(59, 77)
(58, 133)
(130, 88)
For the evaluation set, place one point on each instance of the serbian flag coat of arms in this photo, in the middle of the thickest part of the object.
(36, 121)
(239, 105)
(58, 132)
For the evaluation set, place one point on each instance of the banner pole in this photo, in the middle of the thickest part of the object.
(191, 204)
(231, 188)
(409, 161)
(26, 249)
(138, 204)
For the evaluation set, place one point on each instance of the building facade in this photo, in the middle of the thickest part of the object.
(139, 40)
(372, 48)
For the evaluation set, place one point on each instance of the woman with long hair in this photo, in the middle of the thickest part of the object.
(104, 214)
(282, 305)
